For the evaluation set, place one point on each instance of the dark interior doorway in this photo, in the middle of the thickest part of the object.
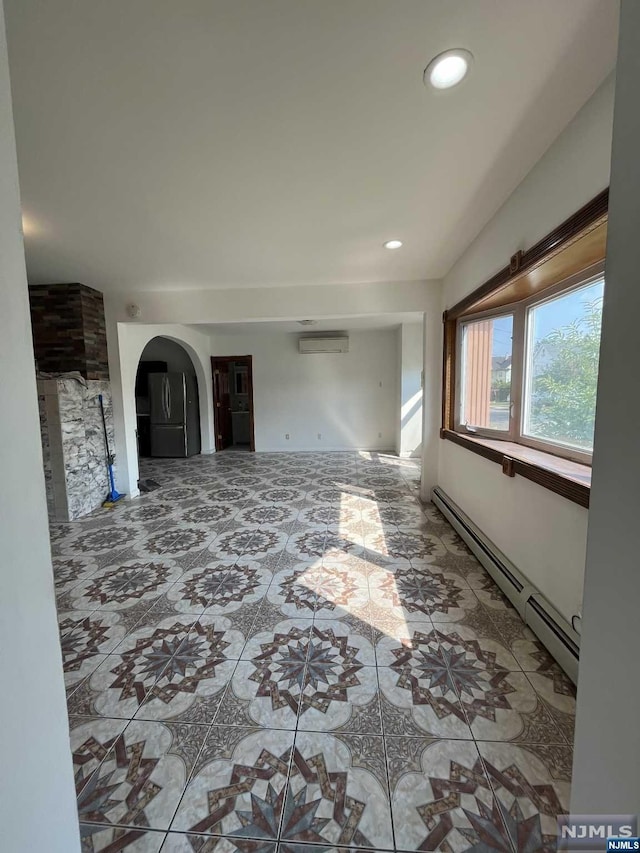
(167, 404)
(233, 402)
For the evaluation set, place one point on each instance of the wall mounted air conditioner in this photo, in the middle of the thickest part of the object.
(335, 343)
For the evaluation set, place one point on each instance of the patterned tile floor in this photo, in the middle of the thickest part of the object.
(287, 652)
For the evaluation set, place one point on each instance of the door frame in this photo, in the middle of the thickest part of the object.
(239, 359)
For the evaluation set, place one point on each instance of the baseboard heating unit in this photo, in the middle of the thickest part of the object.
(547, 624)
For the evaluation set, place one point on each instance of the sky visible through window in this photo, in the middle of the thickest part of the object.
(567, 309)
(502, 330)
(563, 312)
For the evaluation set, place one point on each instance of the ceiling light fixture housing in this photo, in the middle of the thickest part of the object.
(392, 244)
(307, 322)
(448, 69)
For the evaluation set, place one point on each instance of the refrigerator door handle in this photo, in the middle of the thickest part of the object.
(165, 406)
(168, 399)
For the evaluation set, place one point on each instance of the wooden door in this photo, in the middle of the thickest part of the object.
(222, 403)
(220, 368)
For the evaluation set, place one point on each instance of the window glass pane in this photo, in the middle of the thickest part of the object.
(486, 373)
(562, 368)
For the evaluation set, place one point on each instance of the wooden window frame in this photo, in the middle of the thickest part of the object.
(479, 431)
(565, 259)
(520, 313)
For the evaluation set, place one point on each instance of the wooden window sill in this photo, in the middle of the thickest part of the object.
(566, 478)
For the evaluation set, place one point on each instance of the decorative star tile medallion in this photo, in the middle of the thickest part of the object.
(122, 585)
(190, 687)
(417, 681)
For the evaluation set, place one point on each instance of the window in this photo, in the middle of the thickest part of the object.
(530, 375)
(561, 368)
(520, 357)
(485, 393)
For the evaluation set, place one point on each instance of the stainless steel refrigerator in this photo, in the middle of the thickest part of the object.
(174, 413)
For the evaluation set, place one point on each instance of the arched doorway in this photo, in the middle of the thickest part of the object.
(167, 401)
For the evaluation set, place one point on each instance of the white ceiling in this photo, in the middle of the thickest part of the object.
(228, 143)
(334, 324)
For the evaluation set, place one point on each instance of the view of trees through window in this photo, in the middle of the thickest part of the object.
(555, 351)
(562, 367)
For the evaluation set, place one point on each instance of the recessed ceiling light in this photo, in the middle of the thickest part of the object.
(448, 68)
(307, 322)
(392, 244)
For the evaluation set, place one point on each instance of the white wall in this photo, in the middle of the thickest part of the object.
(572, 171)
(431, 402)
(606, 778)
(126, 342)
(37, 805)
(164, 311)
(544, 535)
(399, 389)
(409, 413)
(349, 398)
(279, 303)
(340, 302)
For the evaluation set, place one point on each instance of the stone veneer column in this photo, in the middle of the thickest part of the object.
(73, 446)
(69, 331)
(69, 336)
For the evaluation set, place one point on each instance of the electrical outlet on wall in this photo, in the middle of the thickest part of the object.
(319, 436)
(379, 435)
(286, 435)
